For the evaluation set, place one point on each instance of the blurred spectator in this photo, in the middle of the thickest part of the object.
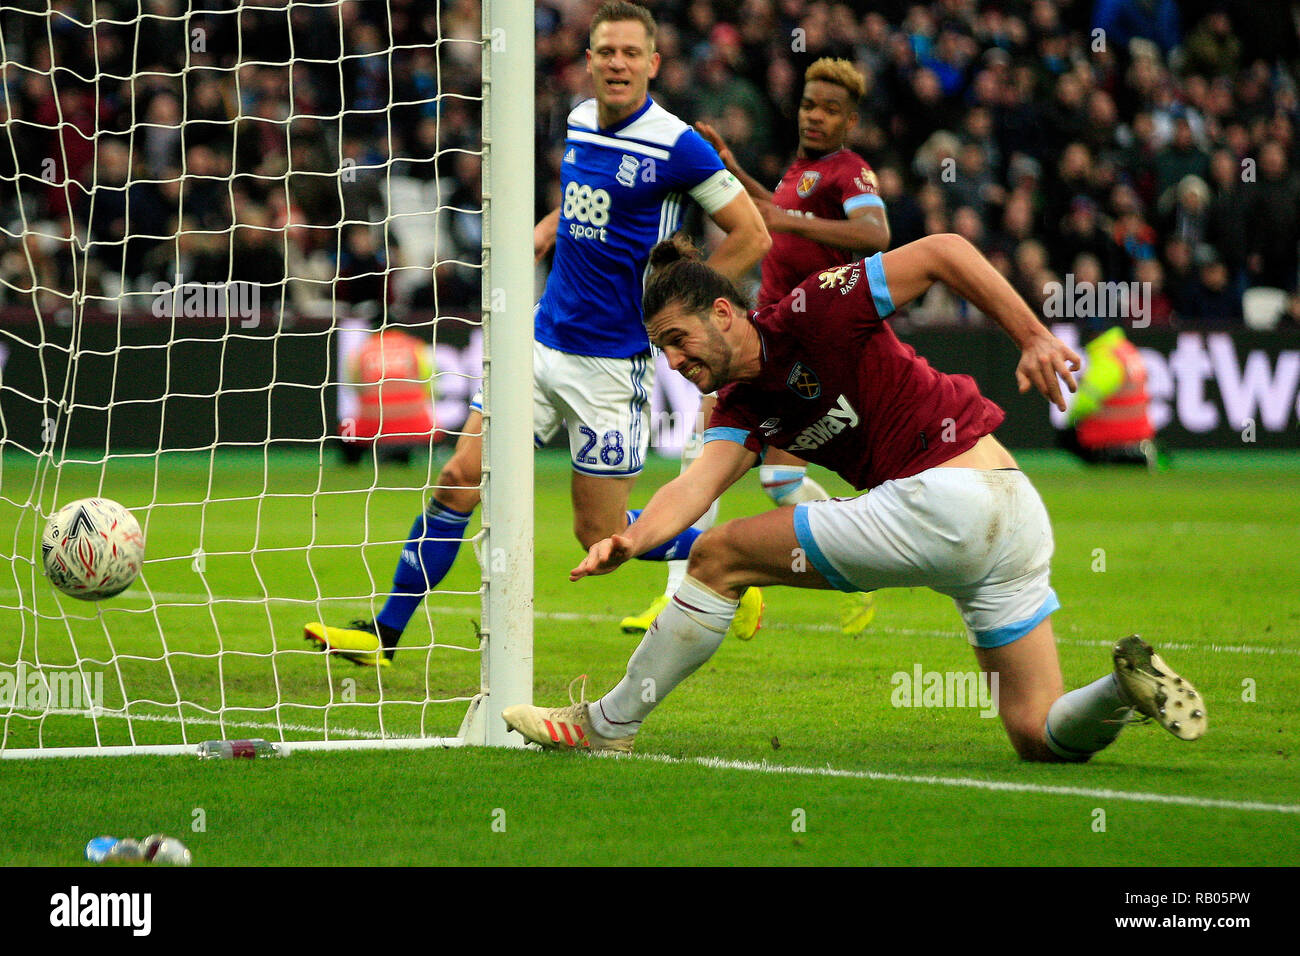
(1181, 158)
(1081, 233)
(1186, 210)
(1226, 227)
(1152, 274)
(1133, 236)
(1213, 298)
(256, 256)
(1212, 50)
(1017, 224)
(906, 218)
(1180, 276)
(361, 271)
(1273, 211)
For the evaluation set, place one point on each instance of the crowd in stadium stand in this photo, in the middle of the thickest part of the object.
(1110, 140)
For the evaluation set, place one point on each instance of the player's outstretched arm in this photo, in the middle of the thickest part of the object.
(746, 241)
(911, 269)
(673, 509)
(544, 234)
(865, 231)
(752, 185)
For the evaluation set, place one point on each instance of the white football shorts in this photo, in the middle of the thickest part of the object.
(604, 402)
(981, 537)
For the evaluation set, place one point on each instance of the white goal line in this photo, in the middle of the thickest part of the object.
(362, 737)
(1093, 793)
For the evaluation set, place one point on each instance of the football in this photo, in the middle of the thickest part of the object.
(92, 549)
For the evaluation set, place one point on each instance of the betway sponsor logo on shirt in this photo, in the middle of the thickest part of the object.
(840, 417)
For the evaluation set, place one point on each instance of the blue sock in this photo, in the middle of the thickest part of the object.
(426, 558)
(670, 550)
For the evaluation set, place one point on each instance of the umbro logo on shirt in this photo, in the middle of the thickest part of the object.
(770, 426)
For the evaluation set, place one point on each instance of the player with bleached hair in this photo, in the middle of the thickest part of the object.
(826, 211)
(948, 507)
(629, 166)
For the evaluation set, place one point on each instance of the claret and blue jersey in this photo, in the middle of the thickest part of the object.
(623, 189)
(838, 388)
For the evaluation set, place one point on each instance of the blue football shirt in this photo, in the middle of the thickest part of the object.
(624, 186)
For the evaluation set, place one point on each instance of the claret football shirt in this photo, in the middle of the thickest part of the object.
(838, 388)
(828, 187)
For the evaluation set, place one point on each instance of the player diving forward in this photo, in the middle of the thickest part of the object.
(948, 507)
(825, 212)
(628, 165)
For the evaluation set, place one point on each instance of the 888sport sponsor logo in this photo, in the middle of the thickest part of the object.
(587, 210)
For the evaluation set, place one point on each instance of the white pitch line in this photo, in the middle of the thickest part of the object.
(749, 766)
(816, 628)
(212, 722)
(719, 763)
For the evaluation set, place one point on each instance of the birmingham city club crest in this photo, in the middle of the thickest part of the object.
(807, 183)
(804, 381)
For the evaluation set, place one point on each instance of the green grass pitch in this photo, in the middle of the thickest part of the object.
(784, 750)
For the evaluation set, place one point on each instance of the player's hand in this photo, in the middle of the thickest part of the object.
(717, 142)
(544, 235)
(605, 556)
(774, 217)
(1041, 362)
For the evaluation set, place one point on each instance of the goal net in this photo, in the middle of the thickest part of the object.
(216, 219)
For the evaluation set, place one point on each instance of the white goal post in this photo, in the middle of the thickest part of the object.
(199, 235)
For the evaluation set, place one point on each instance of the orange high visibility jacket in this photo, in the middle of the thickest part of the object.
(1122, 418)
(394, 375)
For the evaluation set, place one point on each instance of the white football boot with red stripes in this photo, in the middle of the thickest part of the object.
(562, 728)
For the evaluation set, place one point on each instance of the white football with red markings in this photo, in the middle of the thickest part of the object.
(92, 549)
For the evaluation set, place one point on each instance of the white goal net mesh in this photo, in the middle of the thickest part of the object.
(208, 210)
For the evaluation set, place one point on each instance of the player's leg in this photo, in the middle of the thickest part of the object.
(436, 535)
(599, 506)
(1046, 724)
(1008, 613)
(725, 562)
(425, 559)
(1028, 683)
(785, 479)
(604, 403)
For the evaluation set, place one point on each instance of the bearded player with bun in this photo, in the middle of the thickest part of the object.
(825, 212)
(948, 507)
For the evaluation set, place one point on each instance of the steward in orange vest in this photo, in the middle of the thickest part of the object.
(1109, 418)
(394, 377)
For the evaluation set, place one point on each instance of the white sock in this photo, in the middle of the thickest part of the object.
(790, 484)
(682, 637)
(1086, 719)
(676, 575)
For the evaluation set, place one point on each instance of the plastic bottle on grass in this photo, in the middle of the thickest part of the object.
(157, 848)
(232, 749)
